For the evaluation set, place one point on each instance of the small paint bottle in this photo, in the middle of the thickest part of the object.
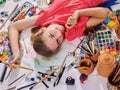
(70, 81)
(70, 65)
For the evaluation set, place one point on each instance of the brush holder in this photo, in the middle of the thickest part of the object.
(86, 63)
(105, 64)
(93, 58)
(112, 86)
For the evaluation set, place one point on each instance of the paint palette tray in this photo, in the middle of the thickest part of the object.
(105, 39)
(117, 46)
(22, 11)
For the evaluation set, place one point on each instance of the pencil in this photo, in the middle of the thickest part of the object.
(16, 79)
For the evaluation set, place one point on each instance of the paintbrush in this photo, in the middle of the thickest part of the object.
(8, 74)
(60, 70)
(88, 47)
(92, 42)
(79, 44)
(12, 88)
(89, 53)
(59, 77)
(117, 71)
(16, 79)
(117, 75)
(114, 77)
(18, 66)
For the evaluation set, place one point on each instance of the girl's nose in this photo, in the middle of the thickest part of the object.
(58, 34)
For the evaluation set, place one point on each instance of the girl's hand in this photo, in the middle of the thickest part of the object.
(72, 20)
(16, 60)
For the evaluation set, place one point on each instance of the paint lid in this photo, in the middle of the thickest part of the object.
(107, 59)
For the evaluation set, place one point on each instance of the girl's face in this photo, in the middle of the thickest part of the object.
(53, 35)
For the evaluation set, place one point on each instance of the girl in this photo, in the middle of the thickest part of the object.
(62, 19)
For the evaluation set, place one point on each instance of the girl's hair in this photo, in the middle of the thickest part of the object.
(39, 45)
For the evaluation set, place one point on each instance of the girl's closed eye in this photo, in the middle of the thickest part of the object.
(51, 35)
(58, 42)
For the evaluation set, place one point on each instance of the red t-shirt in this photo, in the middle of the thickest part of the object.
(59, 11)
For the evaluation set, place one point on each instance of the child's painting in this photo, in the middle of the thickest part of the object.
(38, 62)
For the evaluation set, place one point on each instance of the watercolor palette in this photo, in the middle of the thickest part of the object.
(118, 46)
(105, 38)
(22, 11)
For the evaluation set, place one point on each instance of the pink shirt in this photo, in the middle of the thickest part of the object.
(59, 11)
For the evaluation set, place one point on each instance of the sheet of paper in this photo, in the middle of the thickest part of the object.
(41, 63)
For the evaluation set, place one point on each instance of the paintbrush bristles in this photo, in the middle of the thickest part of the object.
(114, 77)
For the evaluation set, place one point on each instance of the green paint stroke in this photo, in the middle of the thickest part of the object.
(46, 58)
(36, 61)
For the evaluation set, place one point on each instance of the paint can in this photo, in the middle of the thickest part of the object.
(105, 64)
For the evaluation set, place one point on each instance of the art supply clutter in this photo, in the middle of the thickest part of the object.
(98, 49)
(5, 49)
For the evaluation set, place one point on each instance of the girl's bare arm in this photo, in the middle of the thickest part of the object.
(13, 33)
(97, 15)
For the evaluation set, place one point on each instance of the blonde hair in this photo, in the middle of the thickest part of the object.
(38, 43)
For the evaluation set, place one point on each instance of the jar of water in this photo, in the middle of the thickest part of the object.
(42, 4)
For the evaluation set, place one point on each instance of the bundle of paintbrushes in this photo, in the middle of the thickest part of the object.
(114, 77)
(90, 34)
(91, 51)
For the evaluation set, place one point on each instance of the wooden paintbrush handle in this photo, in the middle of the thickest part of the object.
(18, 66)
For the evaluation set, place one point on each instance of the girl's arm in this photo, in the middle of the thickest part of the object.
(97, 15)
(13, 34)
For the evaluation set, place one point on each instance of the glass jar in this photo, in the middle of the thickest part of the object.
(42, 4)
